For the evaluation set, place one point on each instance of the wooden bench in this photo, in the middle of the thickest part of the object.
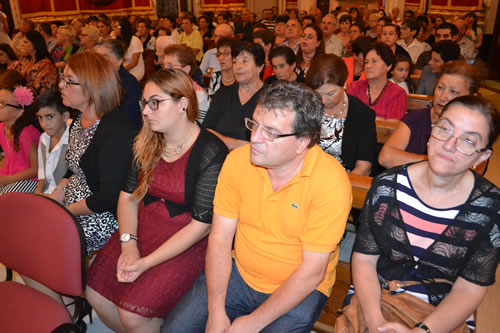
(327, 318)
(385, 128)
(416, 102)
(360, 186)
(487, 318)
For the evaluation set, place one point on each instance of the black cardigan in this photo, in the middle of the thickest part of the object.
(360, 135)
(202, 171)
(107, 158)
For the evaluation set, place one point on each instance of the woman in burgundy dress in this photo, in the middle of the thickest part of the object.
(164, 212)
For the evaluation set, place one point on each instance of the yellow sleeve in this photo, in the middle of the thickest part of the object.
(328, 212)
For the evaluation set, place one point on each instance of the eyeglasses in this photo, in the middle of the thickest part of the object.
(224, 53)
(2, 105)
(444, 132)
(66, 81)
(266, 133)
(153, 104)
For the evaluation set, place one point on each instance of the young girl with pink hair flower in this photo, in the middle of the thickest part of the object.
(19, 136)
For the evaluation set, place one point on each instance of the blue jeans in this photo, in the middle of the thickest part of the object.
(191, 313)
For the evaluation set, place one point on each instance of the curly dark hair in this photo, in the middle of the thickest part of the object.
(300, 99)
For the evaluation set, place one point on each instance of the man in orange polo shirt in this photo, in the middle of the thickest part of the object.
(285, 202)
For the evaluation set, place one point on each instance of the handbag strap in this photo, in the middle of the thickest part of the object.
(394, 285)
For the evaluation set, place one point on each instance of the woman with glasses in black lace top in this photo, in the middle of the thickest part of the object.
(434, 219)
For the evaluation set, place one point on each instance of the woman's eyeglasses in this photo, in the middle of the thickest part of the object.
(2, 105)
(444, 132)
(153, 104)
(65, 81)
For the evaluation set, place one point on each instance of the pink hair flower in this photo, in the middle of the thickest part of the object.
(24, 96)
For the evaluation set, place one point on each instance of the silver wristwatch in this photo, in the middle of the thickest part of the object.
(126, 237)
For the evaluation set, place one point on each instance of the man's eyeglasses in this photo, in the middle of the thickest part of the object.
(67, 81)
(266, 133)
(153, 104)
(443, 131)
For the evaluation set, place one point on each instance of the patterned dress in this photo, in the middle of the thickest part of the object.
(332, 131)
(41, 76)
(98, 227)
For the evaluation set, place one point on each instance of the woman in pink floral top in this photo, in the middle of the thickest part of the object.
(36, 65)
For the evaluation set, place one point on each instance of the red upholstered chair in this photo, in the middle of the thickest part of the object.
(40, 239)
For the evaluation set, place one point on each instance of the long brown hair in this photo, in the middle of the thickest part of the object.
(149, 144)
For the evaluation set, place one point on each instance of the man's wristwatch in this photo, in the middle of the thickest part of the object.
(126, 237)
(422, 326)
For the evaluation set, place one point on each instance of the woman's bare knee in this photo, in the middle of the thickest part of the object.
(136, 323)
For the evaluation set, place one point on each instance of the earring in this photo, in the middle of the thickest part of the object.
(474, 167)
(183, 109)
(427, 143)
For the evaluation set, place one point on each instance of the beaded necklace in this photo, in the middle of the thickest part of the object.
(376, 100)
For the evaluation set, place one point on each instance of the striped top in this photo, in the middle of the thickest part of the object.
(423, 223)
